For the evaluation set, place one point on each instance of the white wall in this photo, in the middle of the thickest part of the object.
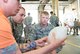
(33, 9)
(69, 13)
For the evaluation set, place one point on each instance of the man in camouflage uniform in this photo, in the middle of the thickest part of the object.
(54, 19)
(28, 27)
(17, 25)
(28, 20)
(17, 30)
(76, 26)
(41, 29)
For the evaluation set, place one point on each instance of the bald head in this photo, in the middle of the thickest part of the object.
(9, 7)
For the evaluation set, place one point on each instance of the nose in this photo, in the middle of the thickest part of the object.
(22, 20)
(19, 5)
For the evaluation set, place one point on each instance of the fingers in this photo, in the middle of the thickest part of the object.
(41, 42)
(53, 34)
(51, 37)
(44, 39)
(61, 41)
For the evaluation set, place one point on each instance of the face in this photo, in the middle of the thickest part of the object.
(19, 16)
(44, 19)
(13, 7)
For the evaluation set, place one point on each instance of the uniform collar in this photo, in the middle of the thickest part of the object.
(43, 25)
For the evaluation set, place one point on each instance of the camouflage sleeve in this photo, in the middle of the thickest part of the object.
(32, 35)
(51, 20)
(24, 21)
(29, 47)
(57, 21)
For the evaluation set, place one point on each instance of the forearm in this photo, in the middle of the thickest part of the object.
(53, 52)
(43, 50)
(46, 49)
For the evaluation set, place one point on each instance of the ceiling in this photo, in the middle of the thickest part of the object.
(61, 2)
(42, 0)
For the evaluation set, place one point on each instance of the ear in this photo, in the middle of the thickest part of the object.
(5, 1)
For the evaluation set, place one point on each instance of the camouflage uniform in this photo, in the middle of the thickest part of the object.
(54, 20)
(28, 20)
(27, 29)
(39, 32)
(76, 27)
(17, 30)
(27, 32)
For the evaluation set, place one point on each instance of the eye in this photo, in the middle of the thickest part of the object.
(18, 0)
(23, 15)
(43, 17)
(47, 18)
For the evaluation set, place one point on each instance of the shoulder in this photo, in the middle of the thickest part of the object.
(50, 25)
(35, 26)
(51, 16)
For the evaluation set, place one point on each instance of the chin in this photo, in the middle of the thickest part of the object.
(44, 23)
(19, 22)
(12, 14)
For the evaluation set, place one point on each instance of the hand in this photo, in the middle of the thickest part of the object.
(58, 43)
(51, 38)
(41, 42)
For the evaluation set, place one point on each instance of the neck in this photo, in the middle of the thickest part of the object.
(4, 12)
(43, 25)
(6, 15)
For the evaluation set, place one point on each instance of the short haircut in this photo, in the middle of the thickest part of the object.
(51, 12)
(45, 12)
(28, 13)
